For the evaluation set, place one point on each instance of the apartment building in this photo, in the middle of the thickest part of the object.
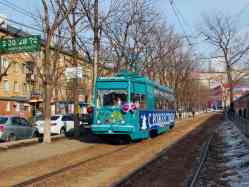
(21, 90)
(14, 89)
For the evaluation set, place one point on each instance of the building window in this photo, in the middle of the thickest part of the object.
(16, 88)
(24, 88)
(8, 107)
(5, 85)
(17, 107)
(22, 107)
(4, 63)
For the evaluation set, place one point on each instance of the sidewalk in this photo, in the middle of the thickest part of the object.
(25, 155)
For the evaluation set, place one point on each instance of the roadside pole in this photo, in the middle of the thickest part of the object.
(75, 63)
(96, 46)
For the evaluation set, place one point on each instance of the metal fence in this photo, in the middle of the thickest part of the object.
(241, 123)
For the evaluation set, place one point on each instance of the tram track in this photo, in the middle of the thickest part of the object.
(67, 168)
(203, 158)
(179, 164)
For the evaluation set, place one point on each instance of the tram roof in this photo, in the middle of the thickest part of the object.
(126, 75)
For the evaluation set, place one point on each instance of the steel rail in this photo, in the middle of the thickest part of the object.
(67, 168)
(204, 155)
(157, 156)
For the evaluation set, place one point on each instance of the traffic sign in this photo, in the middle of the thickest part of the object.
(20, 44)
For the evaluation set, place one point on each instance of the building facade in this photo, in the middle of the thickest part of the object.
(21, 90)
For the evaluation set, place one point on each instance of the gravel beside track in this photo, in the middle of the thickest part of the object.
(176, 166)
(97, 164)
(228, 160)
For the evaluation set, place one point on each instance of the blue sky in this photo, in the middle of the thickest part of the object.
(191, 11)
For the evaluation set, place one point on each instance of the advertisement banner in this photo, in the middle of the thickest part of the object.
(156, 119)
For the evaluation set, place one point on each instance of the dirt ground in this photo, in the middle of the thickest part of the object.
(94, 164)
(175, 166)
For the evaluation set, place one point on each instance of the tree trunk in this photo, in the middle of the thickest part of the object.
(47, 113)
(96, 44)
(75, 63)
(230, 82)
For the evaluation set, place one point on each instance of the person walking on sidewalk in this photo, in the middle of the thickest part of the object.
(193, 113)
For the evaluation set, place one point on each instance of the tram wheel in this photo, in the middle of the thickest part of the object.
(153, 133)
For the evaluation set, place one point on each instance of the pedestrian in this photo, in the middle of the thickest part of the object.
(180, 115)
(244, 113)
(193, 113)
(240, 112)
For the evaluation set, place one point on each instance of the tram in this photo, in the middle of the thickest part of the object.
(132, 107)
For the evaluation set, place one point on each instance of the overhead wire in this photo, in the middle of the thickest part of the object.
(172, 4)
(18, 9)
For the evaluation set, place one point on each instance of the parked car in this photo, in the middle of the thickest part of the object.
(16, 128)
(60, 124)
(85, 120)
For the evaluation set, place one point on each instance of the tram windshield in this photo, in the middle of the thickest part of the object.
(111, 97)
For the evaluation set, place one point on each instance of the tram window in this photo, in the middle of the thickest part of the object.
(139, 100)
(161, 103)
(171, 105)
(111, 98)
(158, 103)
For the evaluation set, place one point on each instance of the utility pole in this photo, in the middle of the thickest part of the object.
(96, 45)
(75, 63)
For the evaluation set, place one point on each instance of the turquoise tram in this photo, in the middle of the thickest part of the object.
(131, 106)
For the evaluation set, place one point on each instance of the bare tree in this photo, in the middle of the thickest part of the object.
(90, 10)
(129, 33)
(231, 46)
(53, 17)
(73, 20)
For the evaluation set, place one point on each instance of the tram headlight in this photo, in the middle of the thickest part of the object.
(98, 121)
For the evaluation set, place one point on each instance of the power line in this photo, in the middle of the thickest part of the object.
(18, 9)
(181, 15)
(24, 25)
(176, 12)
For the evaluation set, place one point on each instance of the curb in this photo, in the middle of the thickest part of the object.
(21, 143)
(57, 137)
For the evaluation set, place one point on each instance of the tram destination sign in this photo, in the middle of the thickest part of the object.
(30, 43)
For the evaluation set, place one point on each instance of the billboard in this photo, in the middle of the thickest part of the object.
(155, 119)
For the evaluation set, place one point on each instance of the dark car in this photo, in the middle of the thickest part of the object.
(85, 120)
(16, 128)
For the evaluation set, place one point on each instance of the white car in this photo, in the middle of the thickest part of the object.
(60, 124)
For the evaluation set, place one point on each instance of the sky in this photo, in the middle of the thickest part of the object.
(189, 11)
(193, 10)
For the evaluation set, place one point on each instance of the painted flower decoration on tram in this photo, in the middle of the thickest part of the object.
(129, 107)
